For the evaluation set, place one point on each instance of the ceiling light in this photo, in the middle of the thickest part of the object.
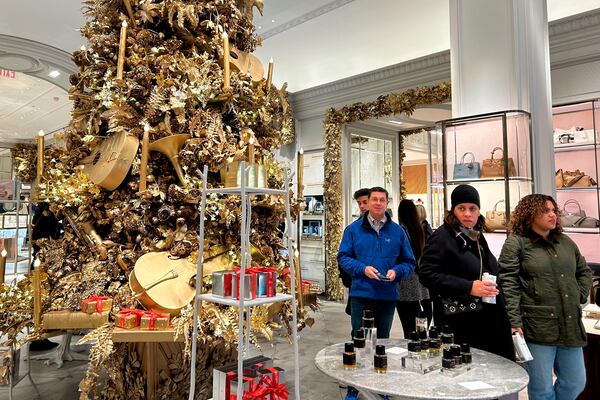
(259, 27)
(54, 74)
(272, 20)
(393, 121)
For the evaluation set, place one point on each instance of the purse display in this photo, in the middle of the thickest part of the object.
(467, 170)
(496, 220)
(573, 179)
(576, 219)
(574, 135)
(494, 167)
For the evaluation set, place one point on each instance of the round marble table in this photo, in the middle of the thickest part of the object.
(503, 376)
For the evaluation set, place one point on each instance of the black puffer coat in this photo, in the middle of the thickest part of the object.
(449, 265)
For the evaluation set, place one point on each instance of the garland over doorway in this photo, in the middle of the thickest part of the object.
(335, 119)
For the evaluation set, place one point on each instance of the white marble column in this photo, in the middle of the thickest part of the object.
(500, 61)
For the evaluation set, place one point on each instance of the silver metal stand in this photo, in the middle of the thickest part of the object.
(61, 354)
(244, 338)
(14, 381)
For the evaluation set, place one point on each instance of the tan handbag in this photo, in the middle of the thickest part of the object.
(494, 167)
(559, 180)
(496, 220)
(573, 179)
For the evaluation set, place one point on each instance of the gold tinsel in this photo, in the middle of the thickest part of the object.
(394, 103)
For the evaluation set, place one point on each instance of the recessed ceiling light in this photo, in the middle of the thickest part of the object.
(259, 27)
(393, 121)
(272, 20)
(54, 74)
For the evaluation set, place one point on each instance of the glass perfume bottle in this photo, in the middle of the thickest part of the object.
(448, 359)
(466, 355)
(421, 322)
(447, 337)
(380, 360)
(359, 347)
(414, 346)
(368, 322)
(455, 348)
(435, 344)
(424, 343)
(349, 358)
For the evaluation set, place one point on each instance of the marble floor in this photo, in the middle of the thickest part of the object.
(331, 326)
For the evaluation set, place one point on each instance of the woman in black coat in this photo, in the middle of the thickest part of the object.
(454, 259)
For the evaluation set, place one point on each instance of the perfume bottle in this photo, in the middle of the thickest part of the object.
(424, 343)
(414, 346)
(465, 351)
(455, 348)
(349, 358)
(380, 360)
(421, 322)
(435, 344)
(368, 322)
(359, 346)
(447, 337)
(448, 359)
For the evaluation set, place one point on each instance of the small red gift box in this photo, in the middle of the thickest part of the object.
(128, 318)
(273, 379)
(97, 304)
(250, 283)
(154, 321)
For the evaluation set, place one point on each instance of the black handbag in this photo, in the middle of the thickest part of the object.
(464, 304)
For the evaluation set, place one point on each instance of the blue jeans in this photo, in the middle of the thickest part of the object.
(567, 363)
(383, 311)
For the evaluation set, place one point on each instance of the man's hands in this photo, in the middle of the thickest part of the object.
(484, 289)
(371, 272)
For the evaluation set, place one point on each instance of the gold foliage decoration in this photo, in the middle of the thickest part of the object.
(335, 119)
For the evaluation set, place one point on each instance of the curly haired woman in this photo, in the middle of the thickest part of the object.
(545, 278)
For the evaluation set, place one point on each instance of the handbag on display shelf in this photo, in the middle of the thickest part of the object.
(573, 179)
(467, 170)
(496, 220)
(576, 219)
(464, 304)
(494, 167)
(575, 135)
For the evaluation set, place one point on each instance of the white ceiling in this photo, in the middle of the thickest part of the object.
(313, 42)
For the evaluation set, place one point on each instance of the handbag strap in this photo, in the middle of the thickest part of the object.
(494, 150)
(462, 160)
(496, 205)
(572, 201)
(480, 260)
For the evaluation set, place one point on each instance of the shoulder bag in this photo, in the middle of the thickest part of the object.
(576, 219)
(496, 220)
(494, 167)
(464, 304)
(467, 170)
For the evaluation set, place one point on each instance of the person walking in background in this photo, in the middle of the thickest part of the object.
(376, 253)
(545, 279)
(414, 297)
(422, 213)
(452, 265)
(361, 196)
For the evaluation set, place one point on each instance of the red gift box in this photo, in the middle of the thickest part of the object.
(250, 283)
(273, 379)
(126, 316)
(97, 304)
(152, 320)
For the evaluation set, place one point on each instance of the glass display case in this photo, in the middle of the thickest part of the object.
(491, 152)
(577, 152)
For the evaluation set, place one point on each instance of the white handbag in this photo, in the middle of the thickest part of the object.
(574, 135)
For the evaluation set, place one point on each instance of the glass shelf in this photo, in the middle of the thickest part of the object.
(247, 303)
(515, 179)
(559, 148)
(578, 189)
(248, 190)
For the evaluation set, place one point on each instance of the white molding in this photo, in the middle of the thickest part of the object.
(305, 18)
(37, 59)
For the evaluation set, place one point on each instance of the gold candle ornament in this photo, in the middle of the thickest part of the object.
(251, 151)
(144, 161)
(37, 294)
(300, 172)
(122, 44)
(270, 74)
(40, 157)
(129, 10)
(3, 265)
(226, 66)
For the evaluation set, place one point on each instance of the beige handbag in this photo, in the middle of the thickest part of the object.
(573, 179)
(496, 220)
(494, 167)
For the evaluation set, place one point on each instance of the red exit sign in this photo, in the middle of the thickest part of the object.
(4, 73)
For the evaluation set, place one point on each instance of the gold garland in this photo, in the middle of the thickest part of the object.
(393, 103)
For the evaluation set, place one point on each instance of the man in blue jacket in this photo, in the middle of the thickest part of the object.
(376, 253)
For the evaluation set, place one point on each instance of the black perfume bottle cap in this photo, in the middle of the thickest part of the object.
(448, 354)
(465, 348)
(359, 334)
(422, 335)
(368, 314)
(380, 350)
(414, 336)
(433, 332)
(421, 314)
(349, 347)
(455, 350)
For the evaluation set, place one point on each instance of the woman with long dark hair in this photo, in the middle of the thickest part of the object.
(452, 266)
(545, 279)
(414, 297)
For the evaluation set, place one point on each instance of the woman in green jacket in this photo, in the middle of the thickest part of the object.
(545, 278)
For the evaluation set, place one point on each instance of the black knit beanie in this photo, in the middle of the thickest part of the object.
(464, 194)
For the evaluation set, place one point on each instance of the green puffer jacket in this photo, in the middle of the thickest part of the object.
(544, 282)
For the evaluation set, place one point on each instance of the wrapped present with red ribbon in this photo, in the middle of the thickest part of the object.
(273, 379)
(250, 386)
(96, 304)
(267, 281)
(154, 321)
(250, 283)
(223, 375)
(222, 283)
(305, 286)
(128, 318)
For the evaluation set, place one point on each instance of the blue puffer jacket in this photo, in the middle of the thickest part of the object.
(390, 249)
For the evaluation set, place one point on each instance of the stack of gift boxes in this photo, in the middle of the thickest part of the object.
(260, 381)
(127, 318)
(258, 282)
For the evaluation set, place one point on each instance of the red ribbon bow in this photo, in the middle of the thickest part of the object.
(125, 312)
(277, 390)
(153, 315)
(98, 300)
